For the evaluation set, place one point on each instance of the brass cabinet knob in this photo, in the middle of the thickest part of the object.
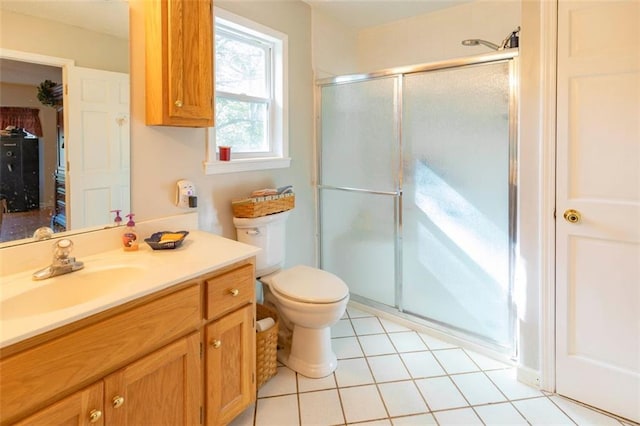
(234, 292)
(94, 416)
(117, 401)
(178, 103)
(216, 343)
(572, 216)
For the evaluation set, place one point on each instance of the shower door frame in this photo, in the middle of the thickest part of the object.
(509, 56)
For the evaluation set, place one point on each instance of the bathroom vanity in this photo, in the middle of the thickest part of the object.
(174, 344)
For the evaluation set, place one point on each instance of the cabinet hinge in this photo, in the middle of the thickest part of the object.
(253, 377)
(201, 350)
(554, 214)
(66, 89)
(201, 415)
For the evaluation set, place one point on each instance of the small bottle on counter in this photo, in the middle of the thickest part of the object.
(130, 237)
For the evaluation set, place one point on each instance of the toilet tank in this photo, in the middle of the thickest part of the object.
(268, 233)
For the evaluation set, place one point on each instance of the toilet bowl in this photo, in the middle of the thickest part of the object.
(311, 301)
(308, 300)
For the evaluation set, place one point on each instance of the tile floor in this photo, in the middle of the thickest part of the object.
(391, 375)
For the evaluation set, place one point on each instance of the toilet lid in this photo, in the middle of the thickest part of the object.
(308, 284)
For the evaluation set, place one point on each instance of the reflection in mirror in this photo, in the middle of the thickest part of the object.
(67, 165)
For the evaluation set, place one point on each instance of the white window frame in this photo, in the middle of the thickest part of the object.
(278, 107)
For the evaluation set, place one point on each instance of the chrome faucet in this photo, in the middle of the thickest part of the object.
(62, 262)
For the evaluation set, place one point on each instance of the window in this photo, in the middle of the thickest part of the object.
(250, 96)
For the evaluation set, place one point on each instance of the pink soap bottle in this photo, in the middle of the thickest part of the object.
(130, 237)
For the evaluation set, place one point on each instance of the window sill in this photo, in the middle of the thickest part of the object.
(245, 165)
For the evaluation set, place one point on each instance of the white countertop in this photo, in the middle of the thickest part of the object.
(155, 270)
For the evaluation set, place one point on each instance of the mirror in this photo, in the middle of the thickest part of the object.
(76, 42)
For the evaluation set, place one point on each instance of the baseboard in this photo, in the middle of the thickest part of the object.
(528, 376)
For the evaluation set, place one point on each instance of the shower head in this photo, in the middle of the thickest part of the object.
(476, 42)
(511, 41)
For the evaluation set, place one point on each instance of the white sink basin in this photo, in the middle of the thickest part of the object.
(69, 290)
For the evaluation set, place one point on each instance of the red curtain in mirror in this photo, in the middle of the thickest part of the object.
(23, 118)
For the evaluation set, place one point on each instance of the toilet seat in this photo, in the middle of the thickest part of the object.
(309, 285)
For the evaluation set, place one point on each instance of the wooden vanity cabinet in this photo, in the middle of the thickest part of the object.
(179, 62)
(162, 388)
(116, 347)
(145, 362)
(82, 408)
(230, 337)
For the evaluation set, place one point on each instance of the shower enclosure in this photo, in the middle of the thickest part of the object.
(417, 192)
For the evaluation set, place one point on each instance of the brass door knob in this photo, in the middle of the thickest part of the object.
(117, 401)
(572, 216)
(94, 416)
(216, 343)
(234, 292)
(178, 103)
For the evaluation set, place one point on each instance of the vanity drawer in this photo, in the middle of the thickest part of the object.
(229, 291)
(38, 376)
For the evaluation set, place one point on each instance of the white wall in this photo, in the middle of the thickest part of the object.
(334, 47)
(162, 155)
(436, 36)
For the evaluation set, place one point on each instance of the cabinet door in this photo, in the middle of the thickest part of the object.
(179, 56)
(231, 360)
(82, 408)
(162, 388)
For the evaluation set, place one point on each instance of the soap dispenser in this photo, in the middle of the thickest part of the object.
(130, 237)
(117, 221)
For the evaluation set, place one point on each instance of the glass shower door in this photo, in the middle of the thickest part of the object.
(456, 246)
(358, 186)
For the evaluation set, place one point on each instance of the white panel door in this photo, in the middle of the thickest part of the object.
(98, 173)
(598, 176)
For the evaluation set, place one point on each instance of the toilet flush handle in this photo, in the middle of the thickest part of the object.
(254, 231)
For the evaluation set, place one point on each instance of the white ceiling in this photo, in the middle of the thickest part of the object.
(367, 13)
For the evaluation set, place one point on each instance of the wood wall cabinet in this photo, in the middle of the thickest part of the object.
(179, 62)
(230, 345)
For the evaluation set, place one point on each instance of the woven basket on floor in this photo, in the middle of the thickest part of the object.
(266, 347)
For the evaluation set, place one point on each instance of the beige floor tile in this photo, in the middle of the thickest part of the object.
(277, 411)
(353, 372)
(362, 403)
(402, 398)
(284, 382)
(321, 408)
(387, 368)
(464, 416)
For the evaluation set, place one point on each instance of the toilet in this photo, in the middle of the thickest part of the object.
(308, 300)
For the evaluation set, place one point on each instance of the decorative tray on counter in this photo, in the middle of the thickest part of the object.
(166, 240)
